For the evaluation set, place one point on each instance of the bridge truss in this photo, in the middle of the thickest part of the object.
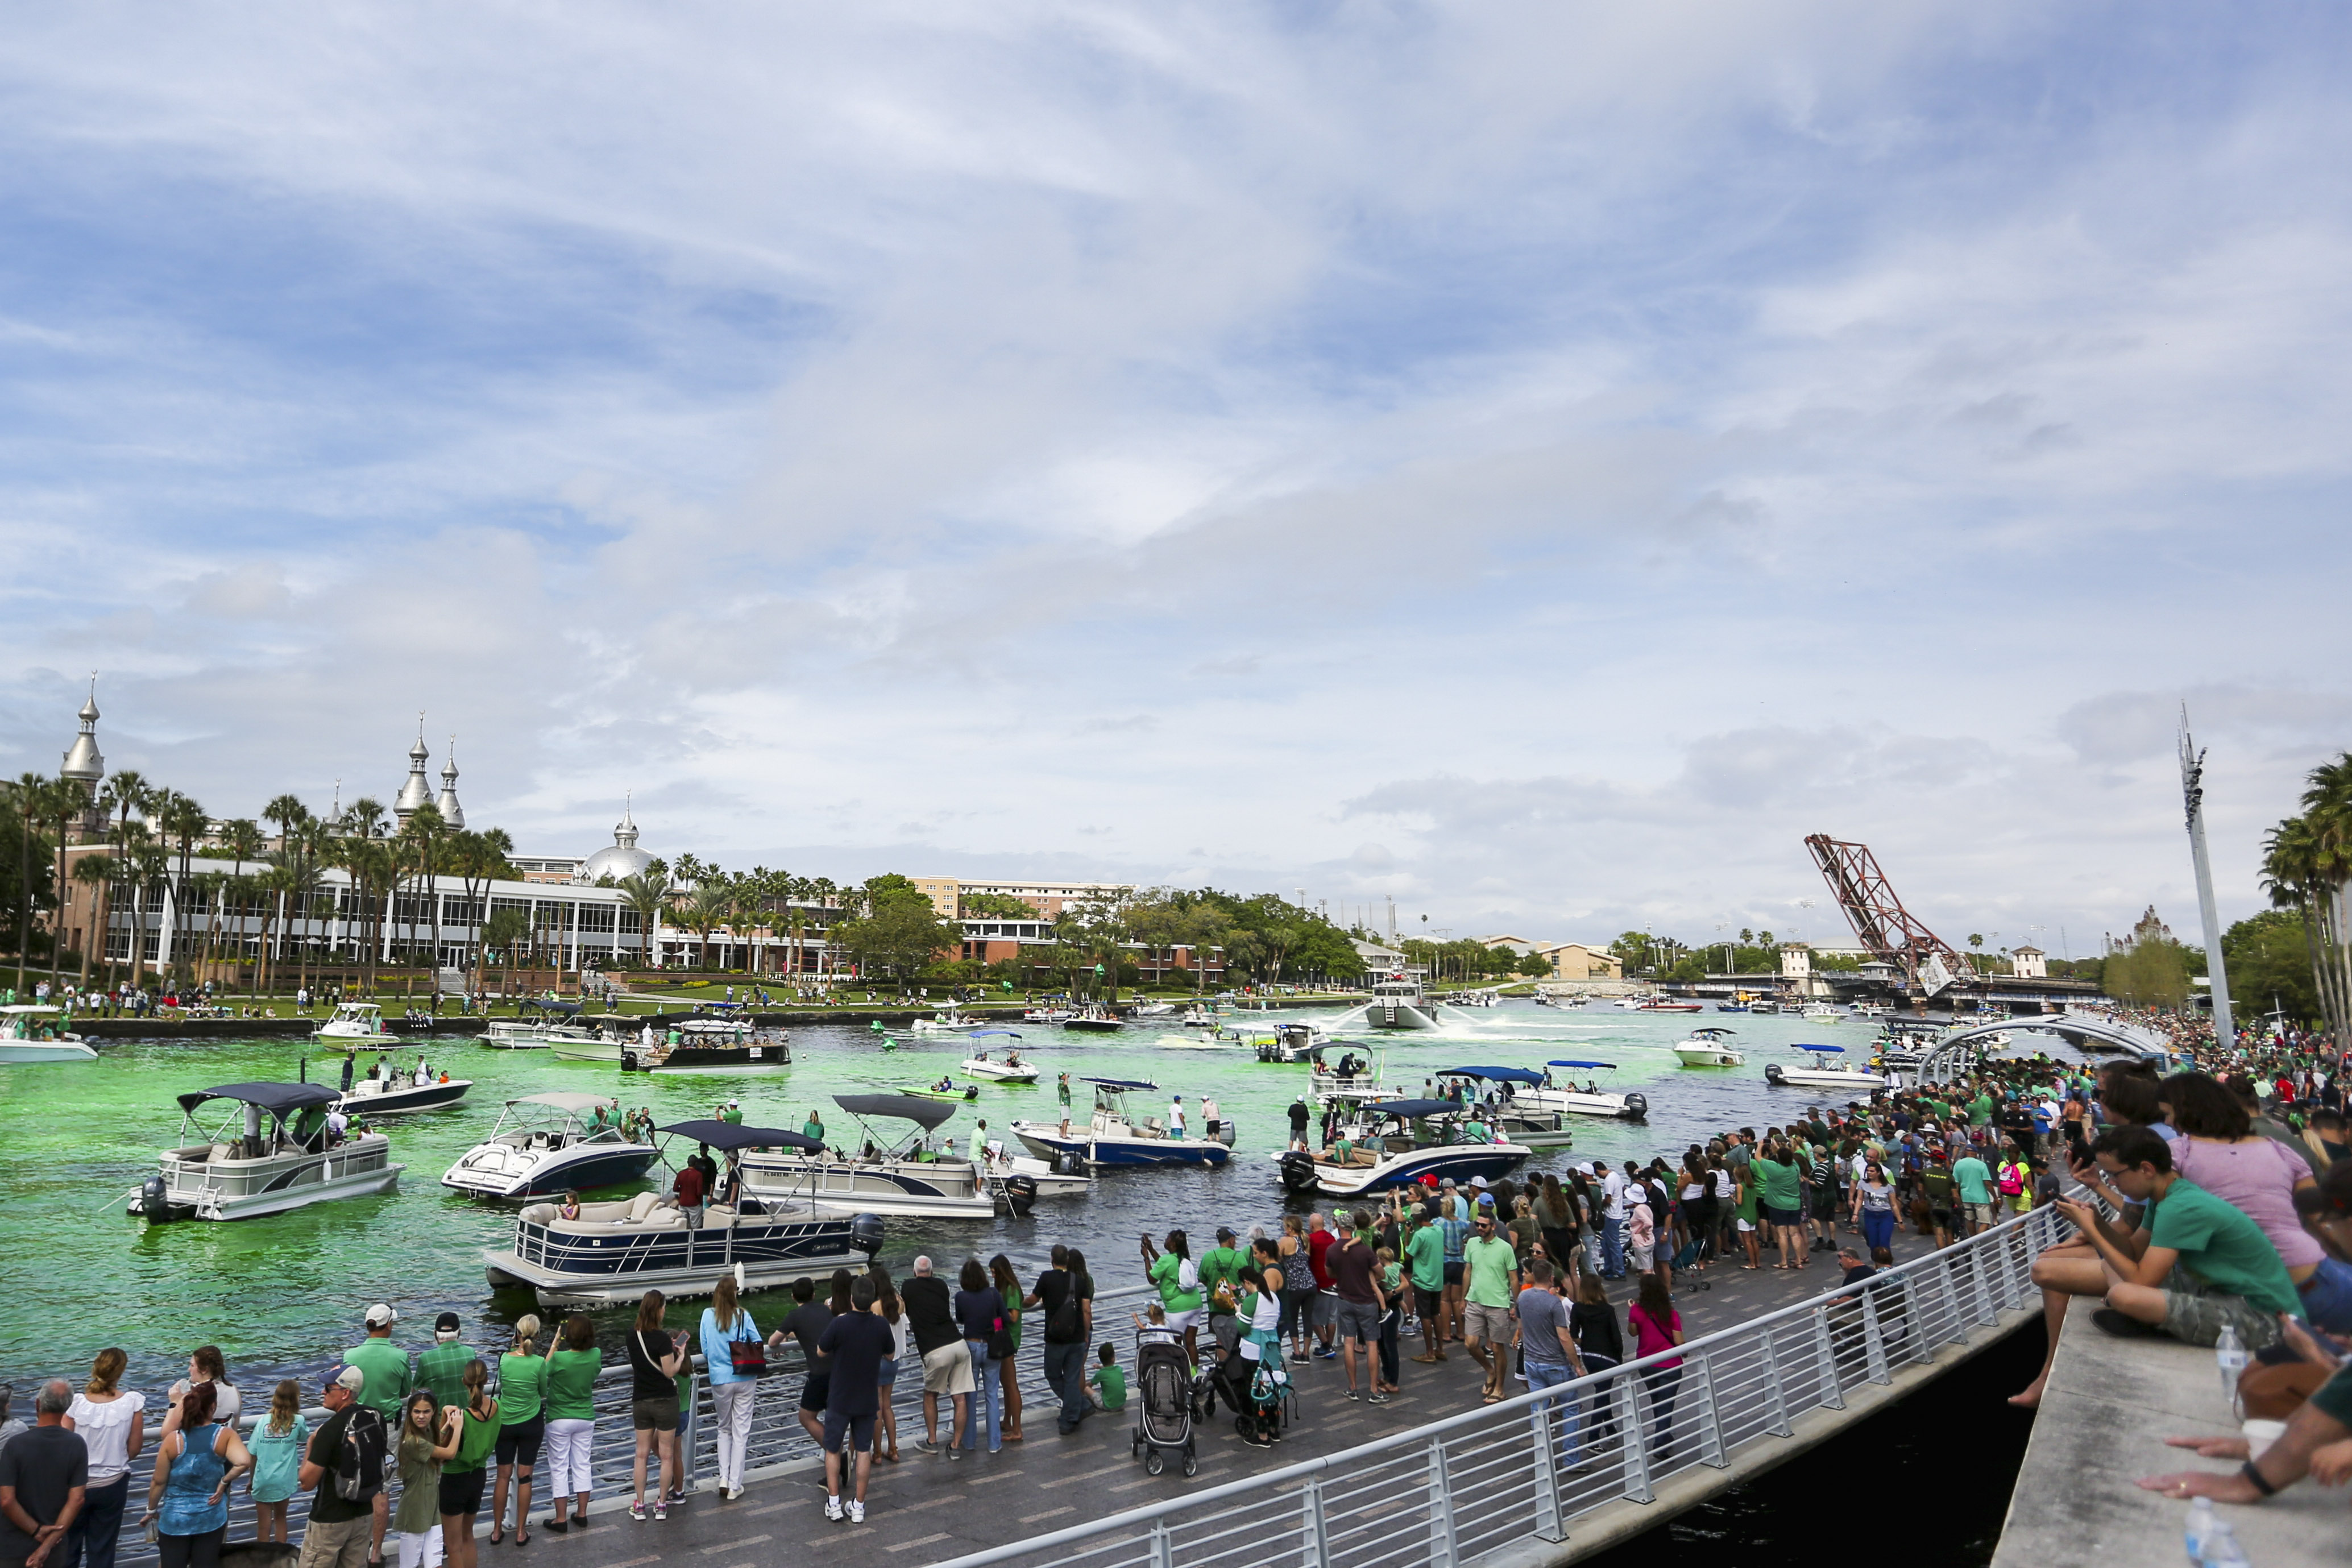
(1880, 922)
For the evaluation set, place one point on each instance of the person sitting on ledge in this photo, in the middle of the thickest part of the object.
(2318, 1442)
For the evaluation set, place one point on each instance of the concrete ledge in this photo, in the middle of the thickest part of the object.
(1615, 1523)
(2109, 1406)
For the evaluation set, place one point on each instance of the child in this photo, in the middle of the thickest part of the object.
(1641, 1235)
(1107, 1385)
(278, 1445)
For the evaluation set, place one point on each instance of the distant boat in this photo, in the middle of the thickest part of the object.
(1095, 1019)
(1709, 1048)
(1826, 1071)
(22, 1042)
(1668, 1005)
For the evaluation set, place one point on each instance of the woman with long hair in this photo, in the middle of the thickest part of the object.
(1873, 1206)
(1658, 1327)
(471, 1432)
(726, 1323)
(654, 1357)
(522, 1417)
(893, 1313)
(1556, 1218)
(279, 1444)
(980, 1309)
(1008, 1286)
(573, 1362)
(2219, 1149)
(1298, 1285)
(112, 1423)
(187, 1497)
(419, 1451)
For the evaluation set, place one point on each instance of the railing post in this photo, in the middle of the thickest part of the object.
(1551, 1515)
(1163, 1546)
(1315, 1536)
(1874, 1341)
(1635, 1442)
(1825, 1357)
(1776, 1397)
(1977, 1290)
(693, 1434)
(1710, 1434)
(1952, 1308)
(1440, 1509)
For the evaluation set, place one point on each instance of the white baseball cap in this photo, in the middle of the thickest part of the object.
(1477, 1181)
(380, 1315)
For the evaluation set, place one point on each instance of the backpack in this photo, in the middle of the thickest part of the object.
(1188, 1277)
(1065, 1323)
(365, 1454)
(2012, 1180)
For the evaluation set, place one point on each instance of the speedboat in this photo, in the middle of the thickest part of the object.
(515, 1034)
(398, 1094)
(1049, 1013)
(1762, 1007)
(1669, 1004)
(1827, 1071)
(1495, 1094)
(898, 1174)
(1821, 1013)
(616, 1252)
(1407, 1140)
(1114, 1136)
(709, 1045)
(1710, 1047)
(1590, 1101)
(580, 1043)
(945, 1090)
(256, 1164)
(1199, 1017)
(1012, 1070)
(1472, 999)
(1352, 1078)
(545, 1143)
(1152, 1010)
(353, 1021)
(1279, 1043)
(1398, 1003)
(1094, 1018)
(28, 1035)
(951, 1021)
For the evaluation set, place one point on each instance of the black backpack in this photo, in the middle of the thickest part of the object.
(1064, 1324)
(366, 1454)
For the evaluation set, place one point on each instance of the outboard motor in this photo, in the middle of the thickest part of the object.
(1298, 1168)
(1637, 1107)
(1069, 1163)
(1773, 1073)
(865, 1233)
(154, 1200)
(1020, 1194)
(1225, 1131)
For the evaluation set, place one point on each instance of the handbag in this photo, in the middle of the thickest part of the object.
(749, 1357)
(1000, 1341)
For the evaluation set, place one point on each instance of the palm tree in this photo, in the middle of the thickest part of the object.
(66, 800)
(95, 872)
(425, 835)
(706, 911)
(30, 801)
(479, 859)
(647, 892)
(183, 822)
(151, 862)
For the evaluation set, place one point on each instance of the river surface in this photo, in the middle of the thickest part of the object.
(286, 1292)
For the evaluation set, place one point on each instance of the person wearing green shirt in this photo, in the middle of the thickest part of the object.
(1222, 1264)
(386, 1363)
(441, 1366)
(1424, 1256)
(522, 1426)
(572, 1362)
(1980, 1109)
(1783, 1202)
(1974, 1179)
(1490, 1284)
(1107, 1385)
(733, 1113)
(813, 1126)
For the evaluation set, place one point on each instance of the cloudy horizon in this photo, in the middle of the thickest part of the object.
(1534, 462)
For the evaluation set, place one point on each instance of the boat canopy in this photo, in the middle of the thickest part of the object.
(1838, 1050)
(277, 1099)
(1500, 1075)
(576, 1101)
(979, 1034)
(1120, 1082)
(1412, 1109)
(1713, 1031)
(29, 1007)
(928, 1113)
(1561, 1064)
(735, 1135)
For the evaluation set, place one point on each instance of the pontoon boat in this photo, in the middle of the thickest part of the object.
(256, 1164)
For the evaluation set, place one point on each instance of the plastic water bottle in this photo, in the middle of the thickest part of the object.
(2222, 1548)
(2200, 1531)
(2230, 1354)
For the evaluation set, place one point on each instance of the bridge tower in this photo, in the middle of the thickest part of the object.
(1880, 922)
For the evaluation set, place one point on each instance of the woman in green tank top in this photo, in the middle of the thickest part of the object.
(475, 1424)
(522, 1426)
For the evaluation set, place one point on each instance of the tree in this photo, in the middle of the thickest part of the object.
(479, 859)
(95, 872)
(66, 800)
(901, 934)
(705, 910)
(996, 907)
(182, 822)
(29, 804)
(647, 892)
(2269, 957)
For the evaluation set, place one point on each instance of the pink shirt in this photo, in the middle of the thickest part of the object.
(1649, 1338)
(2258, 1176)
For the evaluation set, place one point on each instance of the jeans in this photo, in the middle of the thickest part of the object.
(1066, 1373)
(1592, 1249)
(986, 1399)
(1548, 1374)
(97, 1527)
(1390, 1321)
(2326, 1298)
(1664, 1385)
(1878, 1227)
(732, 1403)
(1612, 1248)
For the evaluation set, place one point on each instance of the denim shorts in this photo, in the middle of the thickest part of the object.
(2328, 1296)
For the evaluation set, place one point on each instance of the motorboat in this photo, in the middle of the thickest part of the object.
(1096, 1019)
(585, 1043)
(1114, 1136)
(1472, 999)
(1590, 1101)
(515, 1034)
(898, 1174)
(1827, 1071)
(1049, 1013)
(1731, 1006)
(1279, 1043)
(1351, 1077)
(1821, 1013)
(1670, 1005)
(1495, 1094)
(709, 1045)
(1406, 1140)
(1399, 1003)
(548, 1143)
(1710, 1048)
(1152, 1010)
(397, 1093)
(1012, 1070)
(1763, 1005)
(28, 1034)
(615, 1252)
(353, 1021)
(1199, 1017)
(1628, 1003)
(946, 1089)
(1872, 1010)
(258, 1162)
(951, 1021)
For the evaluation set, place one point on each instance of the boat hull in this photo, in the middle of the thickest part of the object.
(24, 1053)
(586, 1171)
(997, 1073)
(1818, 1078)
(567, 1269)
(1708, 1057)
(407, 1100)
(912, 1189)
(767, 1057)
(1461, 1161)
(1399, 1016)
(320, 1180)
(1047, 1144)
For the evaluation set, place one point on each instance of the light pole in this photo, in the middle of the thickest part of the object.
(2193, 794)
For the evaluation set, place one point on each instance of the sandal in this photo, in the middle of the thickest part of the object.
(495, 1537)
(523, 1535)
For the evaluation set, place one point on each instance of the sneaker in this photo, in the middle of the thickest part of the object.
(661, 1510)
(832, 1508)
(955, 1453)
(926, 1446)
(1351, 1394)
(638, 1511)
(1380, 1399)
(1298, 1355)
(856, 1511)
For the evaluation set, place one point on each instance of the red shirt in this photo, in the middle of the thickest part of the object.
(688, 1187)
(1318, 1247)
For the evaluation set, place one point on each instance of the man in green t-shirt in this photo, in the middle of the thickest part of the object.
(441, 1366)
(1425, 1255)
(1222, 1264)
(385, 1364)
(1490, 1284)
(1973, 1177)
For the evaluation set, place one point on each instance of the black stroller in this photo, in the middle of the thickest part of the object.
(1164, 1404)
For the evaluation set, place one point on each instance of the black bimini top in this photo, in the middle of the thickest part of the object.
(928, 1113)
(277, 1099)
(1413, 1109)
(733, 1135)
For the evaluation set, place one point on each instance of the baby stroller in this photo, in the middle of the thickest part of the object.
(1267, 1402)
(1163, 1411)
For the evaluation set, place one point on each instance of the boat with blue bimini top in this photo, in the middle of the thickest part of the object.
(1496, 1092)
(1114, 1136)
(728, 1045)
(544, 1144)
(274, 1152)
(1828, 1071)
(616, 1252)
(1401, 1141)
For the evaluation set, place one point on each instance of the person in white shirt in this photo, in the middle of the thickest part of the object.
(1612, 1225)
(1176, 1117)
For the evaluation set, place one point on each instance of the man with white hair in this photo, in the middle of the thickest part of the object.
(946, 1364)
(44, 1478)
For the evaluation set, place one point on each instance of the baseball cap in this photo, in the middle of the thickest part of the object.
(1477, 1181)
(1224, 1233)
(446, 1323)
(380, 1315)
(349, 1377)
(1446, 1182)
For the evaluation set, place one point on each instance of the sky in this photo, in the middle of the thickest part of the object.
(1531, 462)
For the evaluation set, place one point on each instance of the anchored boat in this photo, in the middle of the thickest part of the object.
(1405, 1140)
(1012, 1070)
(1827, 1071)
(255, 1163)
(616, 1252)
(1113, 1136)
(546, 1143)
(709, 1045)
(1496, 1093)
(1095, 1019)
(402, 1094)
(1590, 1101)
(28, 1034)
(353, 1021)
(1710, 1047)
(890, 1174)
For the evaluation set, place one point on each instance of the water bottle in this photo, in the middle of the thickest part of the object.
(2222, 1548)
(2200, 1529)
(2230, 1354)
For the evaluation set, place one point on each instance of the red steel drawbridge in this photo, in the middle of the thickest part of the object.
(1879, 920)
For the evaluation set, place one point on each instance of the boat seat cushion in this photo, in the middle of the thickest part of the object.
(537, 1214)
(643, 1205)
(222, 1151)
(665, 1219)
